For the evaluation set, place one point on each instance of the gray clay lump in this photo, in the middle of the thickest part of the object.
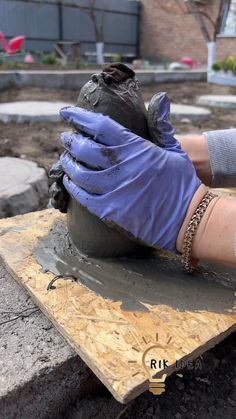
(114, 92)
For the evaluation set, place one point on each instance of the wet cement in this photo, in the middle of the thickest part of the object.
(136, 281)
(114, 92)
(94, 237)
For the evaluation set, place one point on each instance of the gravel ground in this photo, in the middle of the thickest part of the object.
(200, 394)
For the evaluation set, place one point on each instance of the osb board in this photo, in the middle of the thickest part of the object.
(108, 338)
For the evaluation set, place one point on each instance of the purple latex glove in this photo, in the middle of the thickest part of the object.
(127, 180)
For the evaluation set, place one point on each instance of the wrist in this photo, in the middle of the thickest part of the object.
(215, 238)
(196, 148)
(197, 197)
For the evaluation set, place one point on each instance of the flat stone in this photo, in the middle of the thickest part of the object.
(179, 111)
(30, 111)
(218, 101)
(41, 375)
(24, 186)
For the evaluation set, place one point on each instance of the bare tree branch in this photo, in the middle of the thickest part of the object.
(90, 11)
(205, 15)
(187, 7)
(199, 18)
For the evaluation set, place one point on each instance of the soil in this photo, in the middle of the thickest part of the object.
(39, 142)
(202, 395)
(210, 393)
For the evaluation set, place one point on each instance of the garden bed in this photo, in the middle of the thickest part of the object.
(39, 142)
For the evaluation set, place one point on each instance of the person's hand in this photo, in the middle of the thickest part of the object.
(126, 180)
(59, 196)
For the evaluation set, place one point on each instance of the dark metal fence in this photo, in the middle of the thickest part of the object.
(46, 22)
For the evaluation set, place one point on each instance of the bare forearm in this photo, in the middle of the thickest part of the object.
(213, 155)
(215, 239)
(216, 235)
(196, 148)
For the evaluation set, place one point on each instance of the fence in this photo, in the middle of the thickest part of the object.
(46, 22)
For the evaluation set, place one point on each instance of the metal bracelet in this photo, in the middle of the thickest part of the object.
(192, 229)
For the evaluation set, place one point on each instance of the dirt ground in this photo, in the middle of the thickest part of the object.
(200, 394)
(39, 142)
(205, 394)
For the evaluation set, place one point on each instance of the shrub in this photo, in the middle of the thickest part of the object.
(49, 59)
(116, 58)
(228, 64)
(216, 67)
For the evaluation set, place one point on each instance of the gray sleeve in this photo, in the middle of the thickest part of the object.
(222, 153)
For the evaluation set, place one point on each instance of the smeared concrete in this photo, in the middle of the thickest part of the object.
(134, 281)
(30, 111)
(218, 101)
(23, 188)
(40, 373)
(94, 238)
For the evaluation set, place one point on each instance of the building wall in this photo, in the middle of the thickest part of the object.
(165, 36)
(44, 23)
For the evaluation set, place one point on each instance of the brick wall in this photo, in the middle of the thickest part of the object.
(169, 36)
(226, 46)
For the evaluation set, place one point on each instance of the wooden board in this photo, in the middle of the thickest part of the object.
(110, 339)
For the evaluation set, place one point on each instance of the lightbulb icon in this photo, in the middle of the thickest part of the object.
(156, 385)
(149, 361)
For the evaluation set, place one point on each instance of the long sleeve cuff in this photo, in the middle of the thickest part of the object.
(222, 154)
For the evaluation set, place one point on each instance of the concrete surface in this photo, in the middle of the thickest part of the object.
(218, 101)
(31, 111)
(76, 79)
(222, 78)
(40, 373)
(181, 112)
(23, 187)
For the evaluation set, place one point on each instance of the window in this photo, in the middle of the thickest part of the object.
(229, 20)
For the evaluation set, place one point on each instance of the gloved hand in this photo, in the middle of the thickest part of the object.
(58, 193)
(159, 126)
(126, 180)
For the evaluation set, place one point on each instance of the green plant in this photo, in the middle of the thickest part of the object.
(81, 65)
(228, 64)
(116, 58)
(216, 67)
(49, 59)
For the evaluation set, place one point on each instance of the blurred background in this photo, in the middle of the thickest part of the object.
(157, 32)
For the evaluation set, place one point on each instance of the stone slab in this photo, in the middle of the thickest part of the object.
(31, 111)
(218, 101)
(111, 333)
(24, 186)
(180, 111)
(41, 375)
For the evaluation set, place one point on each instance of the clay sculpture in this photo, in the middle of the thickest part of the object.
(114, 92)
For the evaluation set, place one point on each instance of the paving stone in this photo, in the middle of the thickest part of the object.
(218, 101)
(30, 111)
(23, 187)
(41, 375)
(194, 113)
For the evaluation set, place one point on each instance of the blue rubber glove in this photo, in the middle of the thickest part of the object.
(127, 180)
